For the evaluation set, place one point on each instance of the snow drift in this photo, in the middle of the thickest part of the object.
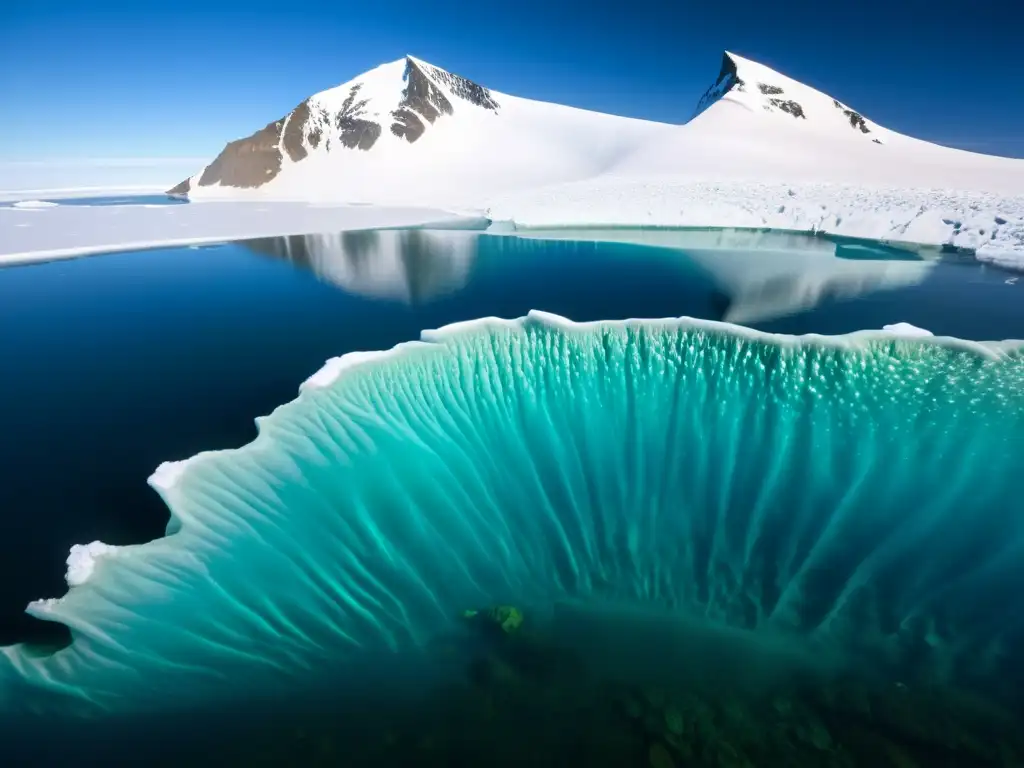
(856, 492)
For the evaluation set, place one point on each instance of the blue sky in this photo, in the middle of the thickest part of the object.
(157, 79)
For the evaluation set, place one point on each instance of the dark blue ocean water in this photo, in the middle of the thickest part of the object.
(116, 363)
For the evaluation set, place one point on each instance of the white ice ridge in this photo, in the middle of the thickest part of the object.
(34, 204)
(82, 561)
(906, 329)
(167, 474)
(37, 234)
(336, 367)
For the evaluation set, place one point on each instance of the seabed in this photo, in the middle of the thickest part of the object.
(524, 700)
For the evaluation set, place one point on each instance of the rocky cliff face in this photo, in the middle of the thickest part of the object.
(728, 80)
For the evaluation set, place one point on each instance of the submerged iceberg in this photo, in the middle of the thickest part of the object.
(857, 492)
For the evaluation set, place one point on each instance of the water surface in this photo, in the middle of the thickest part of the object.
(104, 200)
(119, 362)
(126, 360)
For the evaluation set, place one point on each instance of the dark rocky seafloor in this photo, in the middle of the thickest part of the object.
(524, 702)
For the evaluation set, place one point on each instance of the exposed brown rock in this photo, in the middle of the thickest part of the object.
(420, 98)
(462, 87)
(315, 135)
(182, 189)
(253, 161)
(249, 162)
(422, 95)
(423, 100)
(294, 129)
(360, 134)
(407, 125)
(856, 119)
(790, 107)
(355, 131)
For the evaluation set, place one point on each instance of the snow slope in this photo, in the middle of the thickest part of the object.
(757, 124)
(763, 150)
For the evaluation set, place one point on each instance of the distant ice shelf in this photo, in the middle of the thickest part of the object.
(989, 225)
(35, 233)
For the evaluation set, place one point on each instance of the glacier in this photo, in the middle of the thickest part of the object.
(855, 494)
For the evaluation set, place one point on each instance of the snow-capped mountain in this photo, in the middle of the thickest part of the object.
(407, 132)
(756, 124)
(411, 133)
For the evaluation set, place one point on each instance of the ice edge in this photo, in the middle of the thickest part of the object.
(168, 477)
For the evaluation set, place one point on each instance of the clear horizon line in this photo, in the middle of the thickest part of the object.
(127, 160)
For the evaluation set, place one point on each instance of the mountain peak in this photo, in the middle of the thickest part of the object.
(456, 86)
(406, 96)
(759, 88)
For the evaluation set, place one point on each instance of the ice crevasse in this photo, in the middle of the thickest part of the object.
(858, 490)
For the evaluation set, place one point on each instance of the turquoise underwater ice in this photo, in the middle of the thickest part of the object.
(861, 491)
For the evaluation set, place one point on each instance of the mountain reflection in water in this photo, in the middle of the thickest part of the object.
(411, 266)
(757, 276)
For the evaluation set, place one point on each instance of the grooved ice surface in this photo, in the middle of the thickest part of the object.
(861, 491)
